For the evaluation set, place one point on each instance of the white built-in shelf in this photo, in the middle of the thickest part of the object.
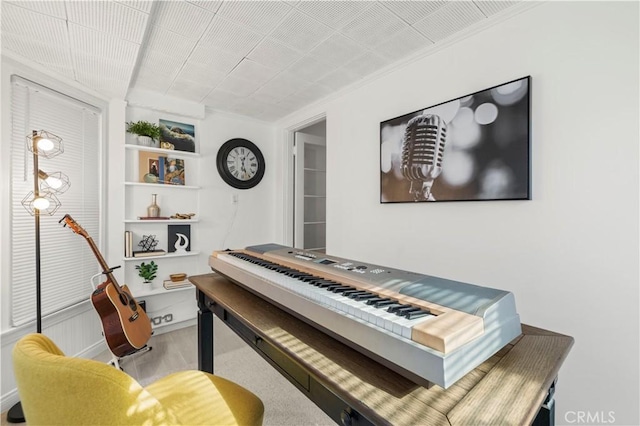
(163, 256)
(160, 290)
(314, 196)
(307, 169)
(315, 223)
(168, 152)
(161, 185)
(161, 220)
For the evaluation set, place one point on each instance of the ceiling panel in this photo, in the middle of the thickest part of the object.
(413, 11)
(109, 17)
(259, 58)
(333, 13)
(373, 25)
(182, 18)
(448, 20)
(261, 16)
(301, 32)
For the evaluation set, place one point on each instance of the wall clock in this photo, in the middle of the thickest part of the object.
(240, 163)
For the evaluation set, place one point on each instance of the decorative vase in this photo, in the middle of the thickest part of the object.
(154, 209)
(145, 140)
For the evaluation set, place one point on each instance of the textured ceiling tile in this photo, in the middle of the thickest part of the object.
(337, 49)
(282, 85)
(253, 71)
(220, 99)
(448, 20)
(314, 91)
(182, 18)
(373, 26)
(142, 5)
(109, 17)
(333, 13)
(366, 63)
(413, 11)
(311, 69)
(230, 37)
(301, 32)
(149, 78)
(262, 16)
(491, 7)
(339, 78)
(91, 65)
(163, 40)
(92, 42)
(274, 112)
(273, 54)
(109, 87)
(55, 9)
(238, 86)
(162, 64)
(197, 72)
(34, 26)
(189, 90)
(55, 58)
(218, 59)
(210, 5)
(250, 106)
(403, 44)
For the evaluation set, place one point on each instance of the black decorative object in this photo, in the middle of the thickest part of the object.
(148, 243)
(473, 148)
(178, 238)
(240, 163)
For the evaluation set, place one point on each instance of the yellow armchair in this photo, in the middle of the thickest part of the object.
(58, 390)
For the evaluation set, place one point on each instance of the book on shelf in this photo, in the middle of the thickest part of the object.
(168, 284)
(128, 244)
(148, 253)
(153, 218)
(154, 168)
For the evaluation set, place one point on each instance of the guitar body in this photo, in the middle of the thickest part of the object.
(125, 324)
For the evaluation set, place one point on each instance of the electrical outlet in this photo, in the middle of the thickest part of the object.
(234, 198)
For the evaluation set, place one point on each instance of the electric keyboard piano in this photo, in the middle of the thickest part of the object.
(428, 329)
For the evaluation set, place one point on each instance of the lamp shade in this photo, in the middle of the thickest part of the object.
(45, 144)
(45, 203)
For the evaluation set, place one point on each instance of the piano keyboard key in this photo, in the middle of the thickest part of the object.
(382, 312)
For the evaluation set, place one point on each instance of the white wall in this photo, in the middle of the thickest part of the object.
(570, 255)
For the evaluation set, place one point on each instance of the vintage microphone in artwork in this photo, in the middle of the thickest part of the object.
(422, 152)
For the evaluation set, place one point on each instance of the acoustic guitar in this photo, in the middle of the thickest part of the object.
(125, 325)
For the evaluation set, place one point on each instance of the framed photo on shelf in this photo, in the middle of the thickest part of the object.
(476, 147)
(172, 171)
(149, 167)
(178, 238)
(178, 136)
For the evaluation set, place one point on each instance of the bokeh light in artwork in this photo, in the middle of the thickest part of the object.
(486, 113)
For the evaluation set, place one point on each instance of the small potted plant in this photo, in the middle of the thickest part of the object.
(148, 133)
(147, 271)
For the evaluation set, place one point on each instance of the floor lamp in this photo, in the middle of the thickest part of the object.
(42, 200)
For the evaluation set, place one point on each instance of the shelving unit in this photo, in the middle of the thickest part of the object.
(164, 307)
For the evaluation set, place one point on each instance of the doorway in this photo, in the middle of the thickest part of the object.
(310, 187)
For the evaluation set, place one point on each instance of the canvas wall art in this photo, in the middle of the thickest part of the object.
(472, 148)
(178, 136)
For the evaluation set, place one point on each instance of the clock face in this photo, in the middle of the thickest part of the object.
(240, 163)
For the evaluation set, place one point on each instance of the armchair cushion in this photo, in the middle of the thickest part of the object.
(56, 389)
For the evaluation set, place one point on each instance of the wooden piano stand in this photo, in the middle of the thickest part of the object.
(515, 386)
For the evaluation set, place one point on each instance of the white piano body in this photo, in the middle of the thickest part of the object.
(438, 330)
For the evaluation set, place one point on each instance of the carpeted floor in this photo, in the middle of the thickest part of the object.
(234, 360)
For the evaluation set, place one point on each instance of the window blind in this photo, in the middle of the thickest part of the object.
(67, 262)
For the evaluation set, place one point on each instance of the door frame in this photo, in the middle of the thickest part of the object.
(288, 173)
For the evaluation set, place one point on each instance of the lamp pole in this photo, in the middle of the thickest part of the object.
(36, 193)
(15, 413)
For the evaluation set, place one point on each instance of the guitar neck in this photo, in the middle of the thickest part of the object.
(102, 262)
